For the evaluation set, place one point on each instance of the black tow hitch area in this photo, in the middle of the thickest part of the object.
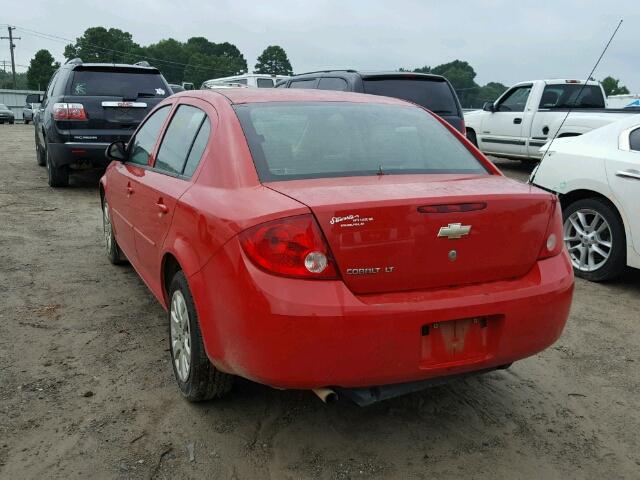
(365, 396)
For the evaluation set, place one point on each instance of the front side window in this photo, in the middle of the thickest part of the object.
(515, 100)
(265, 83)
(336, 139)
(634, 140)
(330, 83)
(303, 83)
(141, 146)
(178, 139)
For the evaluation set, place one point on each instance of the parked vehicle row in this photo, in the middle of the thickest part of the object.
(597, 177)
(530, 113)
(315, 239)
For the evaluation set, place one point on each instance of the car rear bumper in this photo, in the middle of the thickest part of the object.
(73, 153)
(306, 334)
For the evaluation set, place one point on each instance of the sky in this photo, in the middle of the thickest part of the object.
(504, 41)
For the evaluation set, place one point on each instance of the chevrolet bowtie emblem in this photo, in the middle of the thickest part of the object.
(454, 231)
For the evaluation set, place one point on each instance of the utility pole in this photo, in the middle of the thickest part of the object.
(12, 46)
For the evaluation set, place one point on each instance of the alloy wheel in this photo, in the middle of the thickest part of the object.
(180, 336)
(588, 238)
(106, 226)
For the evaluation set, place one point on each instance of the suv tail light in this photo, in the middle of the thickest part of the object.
(291, 247)
(69, 111)
(554, 237)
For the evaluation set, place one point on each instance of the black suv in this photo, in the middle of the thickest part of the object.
(86, 107)
(430, 91)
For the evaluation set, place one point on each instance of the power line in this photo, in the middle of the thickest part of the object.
(12, 46)
(57, 38)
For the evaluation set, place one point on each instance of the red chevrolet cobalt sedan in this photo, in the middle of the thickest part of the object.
(327, 240)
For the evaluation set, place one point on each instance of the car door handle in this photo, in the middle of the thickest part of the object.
(635, 174)
(517, 121)
(162, 207)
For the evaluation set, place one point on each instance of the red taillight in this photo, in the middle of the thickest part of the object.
(554, 237)
(292, 247)
(69, 111)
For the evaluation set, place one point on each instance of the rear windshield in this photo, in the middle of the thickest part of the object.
(432, 94)
(336, 139)
(572, 95)
(114, 83)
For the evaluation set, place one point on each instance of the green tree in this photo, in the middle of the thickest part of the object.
(489, 93)
(170, 56)
(6, 80)
(41, 69)
(273, 61)
(612, 87)
(98, 44)
(461, 75)
(425, 69)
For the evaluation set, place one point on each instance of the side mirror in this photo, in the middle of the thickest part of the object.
(116, 151)
(488, 107)
(34, 98)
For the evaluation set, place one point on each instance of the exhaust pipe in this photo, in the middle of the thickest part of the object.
(327, 395)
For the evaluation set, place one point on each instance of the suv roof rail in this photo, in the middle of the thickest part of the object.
(74, 61)
(348, 70)
(142, 63)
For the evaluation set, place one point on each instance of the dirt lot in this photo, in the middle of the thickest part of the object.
(86, 389)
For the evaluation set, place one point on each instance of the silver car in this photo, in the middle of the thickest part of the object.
(6, 115)
(27, 112)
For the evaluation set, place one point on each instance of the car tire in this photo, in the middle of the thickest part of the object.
(592, 225)
(11, 122)
(26, 122)
(198, 379)
(41, 159)
(114, 254)
(56, 176)
(471, 136)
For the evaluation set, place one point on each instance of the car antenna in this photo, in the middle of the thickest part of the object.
(606, 47)
(380, 172)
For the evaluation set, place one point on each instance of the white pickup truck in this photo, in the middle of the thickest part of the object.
(530, 113)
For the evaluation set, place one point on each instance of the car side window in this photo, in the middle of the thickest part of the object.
(331, 83)
(515, 100)
(265, 83)
(303, 83)
(197, 149)
(178, 139)
(141, 146)
(634, 140)
(47, 92)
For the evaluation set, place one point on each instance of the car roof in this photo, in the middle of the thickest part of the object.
(127, 66)
(260, 95)
(370, 74)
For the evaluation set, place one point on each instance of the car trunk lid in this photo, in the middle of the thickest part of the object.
(384, 240)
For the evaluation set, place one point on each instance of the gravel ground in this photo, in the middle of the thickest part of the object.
(86, 389)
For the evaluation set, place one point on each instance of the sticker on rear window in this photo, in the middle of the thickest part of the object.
(159, 91)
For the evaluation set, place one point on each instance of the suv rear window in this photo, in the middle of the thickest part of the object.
(105, 82)
(432, 94)
(335, 139)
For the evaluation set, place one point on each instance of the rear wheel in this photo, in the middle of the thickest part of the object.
(471, 135)
(197, 378)
(57, 176)
(114, 254)
(595, 238)
(40, 156)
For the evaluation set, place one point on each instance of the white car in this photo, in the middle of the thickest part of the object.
(597, 177)
(256, 80)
